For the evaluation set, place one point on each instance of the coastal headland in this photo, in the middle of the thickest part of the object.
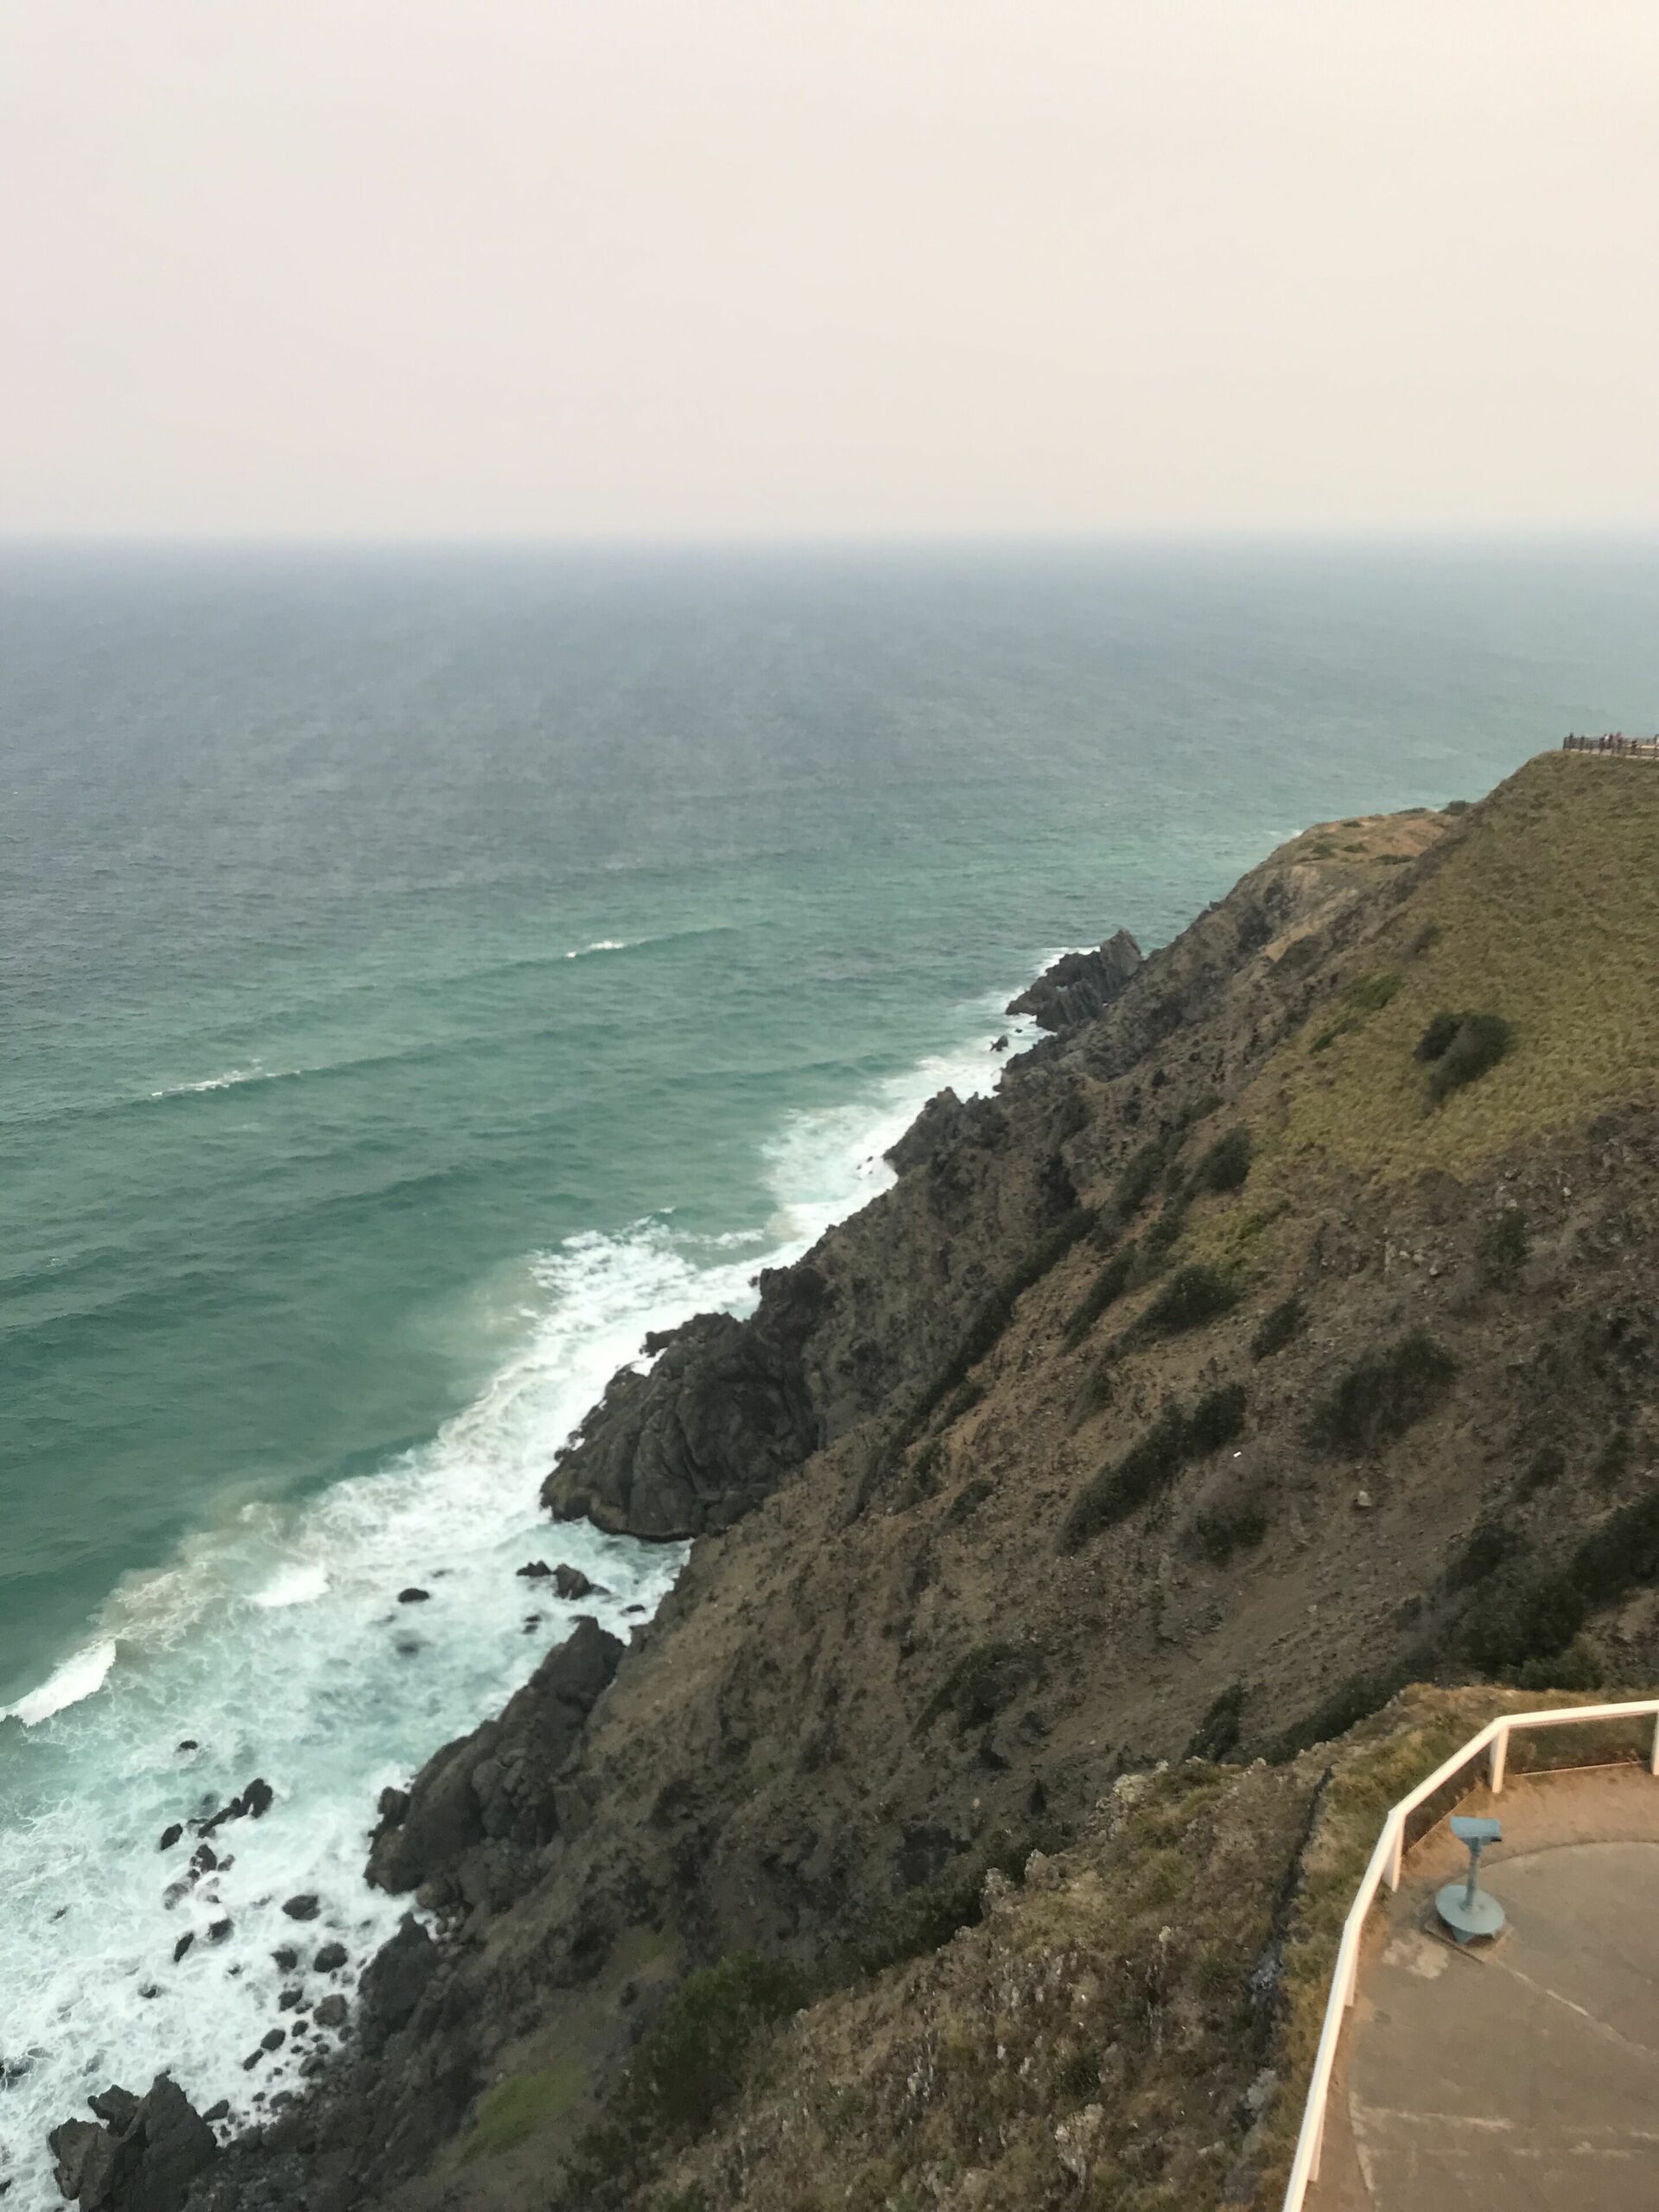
(1232, 1406)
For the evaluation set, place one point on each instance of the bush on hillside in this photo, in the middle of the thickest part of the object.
(1217, 1533)
(1382, 1396)
(1192, 1296)
(1504, 1248)
(1278, 1328)
(1152, 1463)
(1218, 1732)
(1460, 1048)
(981, 1683)
(1227, 1163)
(1106, 1287)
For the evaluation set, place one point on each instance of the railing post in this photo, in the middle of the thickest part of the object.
(1319, 2137)
(1500, 1756)
(1397, 1852)
(1653, 1756)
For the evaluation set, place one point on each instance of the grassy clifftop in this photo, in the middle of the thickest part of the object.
(1542, 907)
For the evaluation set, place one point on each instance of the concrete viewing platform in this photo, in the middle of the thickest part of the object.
(1524, 2076)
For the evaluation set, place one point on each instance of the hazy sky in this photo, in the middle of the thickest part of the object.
(465, 267)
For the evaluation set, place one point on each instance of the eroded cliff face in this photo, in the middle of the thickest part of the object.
(1189, 1393)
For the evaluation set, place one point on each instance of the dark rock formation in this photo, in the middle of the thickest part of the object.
(724, 1414)
(303, 1908)
(413, 1596)
(935, 1128)
(254, 1803)
(330, 1958)
(535, 1570)
(485, 1805)
(571, 1583)
(144, 2159)
(1079, 985)
(170, 1835)
(394, 1982)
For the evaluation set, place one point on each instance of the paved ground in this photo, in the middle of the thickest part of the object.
(1524, 2079)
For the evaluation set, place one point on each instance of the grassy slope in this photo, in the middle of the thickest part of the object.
(1547, 910)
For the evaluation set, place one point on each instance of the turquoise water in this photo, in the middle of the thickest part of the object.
(423, 973)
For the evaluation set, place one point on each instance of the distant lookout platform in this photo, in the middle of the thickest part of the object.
(1614, 742)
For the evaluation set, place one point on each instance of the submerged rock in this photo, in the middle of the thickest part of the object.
(413, 1596)
(304, 1907)
(535, 1570)
(170, 1836)
(330, 1958)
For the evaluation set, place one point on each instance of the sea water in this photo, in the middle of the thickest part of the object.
(423, 974)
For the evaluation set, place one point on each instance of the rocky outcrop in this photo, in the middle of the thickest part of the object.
(939, 1125)
(725, 1413)
(1079, 985)
(469, 1827)
(143, 2157)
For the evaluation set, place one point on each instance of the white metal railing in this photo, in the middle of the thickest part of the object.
(1384, 1865)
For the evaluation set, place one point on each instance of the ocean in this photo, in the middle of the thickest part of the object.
(424, 972)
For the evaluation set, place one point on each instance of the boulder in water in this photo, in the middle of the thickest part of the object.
(571, 1583)
(413, 1596)
(170, 1836)
(304, 1907)
(535, 1570)
(143, 2160)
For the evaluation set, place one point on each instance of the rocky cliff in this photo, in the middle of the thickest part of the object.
(1281, 1330)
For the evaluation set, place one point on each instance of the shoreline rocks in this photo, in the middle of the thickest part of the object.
(1079, 985)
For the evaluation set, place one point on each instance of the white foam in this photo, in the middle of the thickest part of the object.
(276, 1645)
(298, 1584)
(78, 1677)
(228, 1081)
(601, 944)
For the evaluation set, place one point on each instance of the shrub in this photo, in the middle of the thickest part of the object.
(1424, 940)
(1153, 1463)
(1192, 1296)
(1456, 806)
(981, 1683)
(1155, 1246)
(967, 1501)
(1470, 1048)
(1216, 1419)
(1285, 1321)
(1218, 1732)
(1108, 1286)
(1138, 1176)
(1521, 1617)
(1227, 1163)
(1504, 1248)
(1438, 1035)
(1099, 1386)
(1224, 1530)
(1490, 1544)
(1381, 1397)
(1352, 1701)
(689, 2061)
(1546, 1465)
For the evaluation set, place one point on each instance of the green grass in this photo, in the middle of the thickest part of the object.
(518, 2107)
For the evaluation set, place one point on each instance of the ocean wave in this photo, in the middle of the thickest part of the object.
(229, 1081)
(80, 1676)
(603, 944)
